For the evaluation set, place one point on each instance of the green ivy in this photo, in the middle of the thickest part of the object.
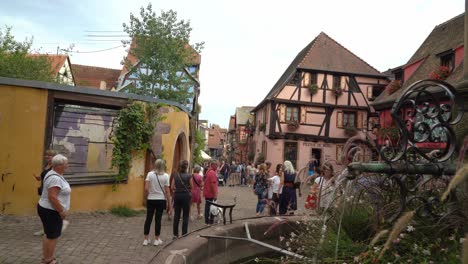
(199, 146)
(133, 132)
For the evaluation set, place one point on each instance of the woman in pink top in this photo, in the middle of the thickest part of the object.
(197, 185)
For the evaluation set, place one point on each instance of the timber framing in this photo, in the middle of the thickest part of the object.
(306, 137)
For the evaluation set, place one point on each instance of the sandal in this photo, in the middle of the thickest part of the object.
(51, 261)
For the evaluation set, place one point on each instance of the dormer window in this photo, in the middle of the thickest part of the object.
(295, 79)
(447, 59)
(399, 75)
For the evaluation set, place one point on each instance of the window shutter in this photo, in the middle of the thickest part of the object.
(339, 119)
(282, 116)
(360, 118)
(369, 92)
(364, 120)
(303, 115)
(343, 83)
(306, 80)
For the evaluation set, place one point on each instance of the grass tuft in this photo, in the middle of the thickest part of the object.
(124, 211)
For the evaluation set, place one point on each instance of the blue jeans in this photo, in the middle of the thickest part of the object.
(260, 204)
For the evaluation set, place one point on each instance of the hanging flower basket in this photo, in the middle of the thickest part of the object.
(262, 127)
(440, 73)
(293, 125)
(313, 88)
(350, 131)
(394, 86)
(338, 91)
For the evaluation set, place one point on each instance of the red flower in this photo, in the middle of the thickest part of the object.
(440, 73)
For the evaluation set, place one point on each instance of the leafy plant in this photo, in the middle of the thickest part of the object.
(16, 61)
(350, 130)
(441, 73)
(313, 88)
(124, 211)
(262, 127)
(338, 91)
(132, 134)
(293, 124)
(199, 146)
(260, 158)
(161, 45)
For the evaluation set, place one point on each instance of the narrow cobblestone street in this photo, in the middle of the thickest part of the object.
(101, 237)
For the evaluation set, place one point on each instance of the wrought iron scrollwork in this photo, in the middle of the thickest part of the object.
(425, 113)
(417, 158)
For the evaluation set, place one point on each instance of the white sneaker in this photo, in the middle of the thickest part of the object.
(65, 225)
(145, 242)
(157, 242)
(39, 233)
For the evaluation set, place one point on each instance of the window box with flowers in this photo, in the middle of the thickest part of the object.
(350, 131)
(441, 73)
(394, 86)
(293, 125)
(313, 88)
(338, 91)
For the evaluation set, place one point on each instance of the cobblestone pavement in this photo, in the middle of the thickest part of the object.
(101, 237)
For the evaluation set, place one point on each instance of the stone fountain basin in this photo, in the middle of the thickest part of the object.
(195, 249)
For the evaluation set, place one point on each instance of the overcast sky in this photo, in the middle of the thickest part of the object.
(249, 43)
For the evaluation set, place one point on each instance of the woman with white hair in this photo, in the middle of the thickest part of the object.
(53, 206)
(288, 198)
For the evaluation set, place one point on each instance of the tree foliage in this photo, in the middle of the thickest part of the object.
(16, 62)
(199, 146)
(161, 45)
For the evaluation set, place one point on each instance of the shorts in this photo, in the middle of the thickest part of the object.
(311, 173)
(51, 222)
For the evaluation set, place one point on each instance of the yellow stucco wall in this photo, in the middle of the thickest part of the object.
(22, 134)
(179, 122)
(22, 129)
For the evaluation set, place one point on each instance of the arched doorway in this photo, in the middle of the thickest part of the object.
(180, 151)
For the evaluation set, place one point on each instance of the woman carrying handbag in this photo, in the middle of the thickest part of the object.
(181, 184)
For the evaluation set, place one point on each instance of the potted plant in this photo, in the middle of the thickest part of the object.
(293, 125)
(262, 127)
(441, 73)
(393, 86)
(350, 131)
(338, 91)
(313, 88)
(260, 158)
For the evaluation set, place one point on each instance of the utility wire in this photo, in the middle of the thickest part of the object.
(71, 51)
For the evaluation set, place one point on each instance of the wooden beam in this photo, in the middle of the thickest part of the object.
(290, 102)
(327, 122)
(90, 100)
(273, 117)
(307, 137)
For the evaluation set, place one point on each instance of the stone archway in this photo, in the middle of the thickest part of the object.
(180, 151)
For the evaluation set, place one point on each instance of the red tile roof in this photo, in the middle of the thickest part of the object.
(91, 76)
(56, 61)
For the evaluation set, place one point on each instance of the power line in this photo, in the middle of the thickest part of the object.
(95, 51)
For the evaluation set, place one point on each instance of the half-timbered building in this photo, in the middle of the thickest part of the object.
(316, 105)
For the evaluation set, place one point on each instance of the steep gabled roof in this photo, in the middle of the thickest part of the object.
(91, 76)
(324, 54)
(444, 37)
(56, 61)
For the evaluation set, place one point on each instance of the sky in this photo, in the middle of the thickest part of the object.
(248, 43)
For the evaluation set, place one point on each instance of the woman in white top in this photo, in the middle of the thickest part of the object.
(53, 206)
(274, 184)
(324, 186)
(157, 193)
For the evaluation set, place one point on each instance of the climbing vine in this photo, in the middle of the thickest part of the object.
(134, 128)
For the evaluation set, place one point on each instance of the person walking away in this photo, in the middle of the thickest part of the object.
(158, 199)
(224, 170)
(182, 185)
(53, 206)
(274, 183)
(288, 198)
(260, 189)
(252, 171)
(324, 186)
(197, 186)
(210, 190)
(313, 165)
(232, 174)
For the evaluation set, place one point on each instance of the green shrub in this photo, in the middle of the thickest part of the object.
(124, 211)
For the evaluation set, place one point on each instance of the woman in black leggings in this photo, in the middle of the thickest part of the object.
(181, 185)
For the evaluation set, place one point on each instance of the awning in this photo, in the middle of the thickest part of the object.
(204, 155)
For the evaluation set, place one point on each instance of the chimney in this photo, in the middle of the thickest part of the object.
(103, 85)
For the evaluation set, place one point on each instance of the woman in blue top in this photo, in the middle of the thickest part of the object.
(288, 198)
